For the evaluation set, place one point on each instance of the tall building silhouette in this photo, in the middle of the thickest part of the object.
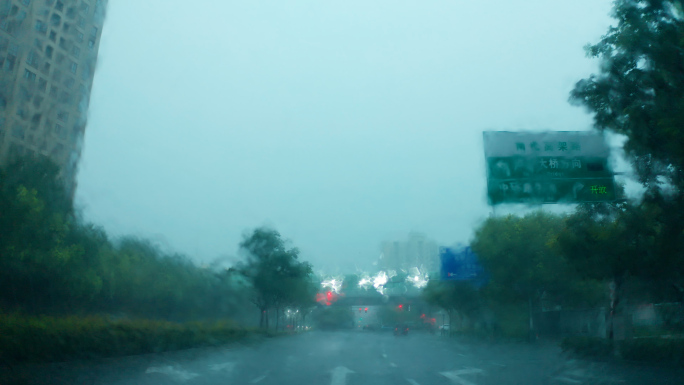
(48, 51)
(415, 251)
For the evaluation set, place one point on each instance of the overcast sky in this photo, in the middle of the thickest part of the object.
(339, 123)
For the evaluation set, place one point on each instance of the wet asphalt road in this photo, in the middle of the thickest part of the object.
(338, 358)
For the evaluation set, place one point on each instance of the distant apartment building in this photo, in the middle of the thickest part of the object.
(415, 251)
(48, 51)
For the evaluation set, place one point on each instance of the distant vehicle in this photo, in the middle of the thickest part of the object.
(370, 327)
(444, 329)
(386, 328)
(401, 330)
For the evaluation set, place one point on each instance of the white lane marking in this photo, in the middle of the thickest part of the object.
(254, 381)
(384, 355)
(392, 364)
(568, 380)
(412, 382)
(181, 375)
(339, 375)
(462, 355)
(228, 366)
(454, 375)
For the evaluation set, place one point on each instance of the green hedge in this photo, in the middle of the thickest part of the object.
(654, 350)
(51, 339)
(651, 350)
(587, 346)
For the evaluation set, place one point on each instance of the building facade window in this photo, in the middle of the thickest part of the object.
(73, 67)
(31, 59)
(41, 26)
(63, 116)
(48, 51)
(18, 131)
(59, 6)
(29, 75)
(55, 20)
(64, 97)
(53, 35)
(37, 101)
(42, 84)
(75, 51)
(79, 37)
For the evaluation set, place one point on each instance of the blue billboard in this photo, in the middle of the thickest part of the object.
(460, 265)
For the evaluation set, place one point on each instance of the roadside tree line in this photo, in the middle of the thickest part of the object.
(609, 253)
(53, 262)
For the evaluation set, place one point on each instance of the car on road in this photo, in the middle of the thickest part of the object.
(401, 330)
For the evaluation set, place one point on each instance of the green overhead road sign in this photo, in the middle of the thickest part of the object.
(547, 167)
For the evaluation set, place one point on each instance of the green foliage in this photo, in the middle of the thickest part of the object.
(52, 262)
(50, 339)
(521, 256)
(653, 350)
(639, 91)
(587, 346)
(457, 296)
(277, 279)
(333, 317)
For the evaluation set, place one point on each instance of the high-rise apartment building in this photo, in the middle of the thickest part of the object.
(48, 50)
(416, 251)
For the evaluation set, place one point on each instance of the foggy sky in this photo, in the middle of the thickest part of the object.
(339, 123)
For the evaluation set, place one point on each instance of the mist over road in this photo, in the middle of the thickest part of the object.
(354, 357)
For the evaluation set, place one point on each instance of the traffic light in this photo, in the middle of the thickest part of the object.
(401, 306)
(359, 310)
(366, 310)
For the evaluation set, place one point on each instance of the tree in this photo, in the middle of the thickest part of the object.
(274, 273)
(518, 255)
(639, 93)
(453, 296)
(333, 317)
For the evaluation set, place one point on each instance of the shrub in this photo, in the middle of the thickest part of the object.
(655, 350)
(50, 339)
(587, 346)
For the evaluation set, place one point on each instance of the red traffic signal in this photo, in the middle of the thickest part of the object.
(401, 306)
(366, 309)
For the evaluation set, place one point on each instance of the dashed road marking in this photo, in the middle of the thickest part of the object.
(254, 381)
(180, 375)
(392, 364)
(455, 375)
(228, 366)
(568, 380)
(412, 382)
